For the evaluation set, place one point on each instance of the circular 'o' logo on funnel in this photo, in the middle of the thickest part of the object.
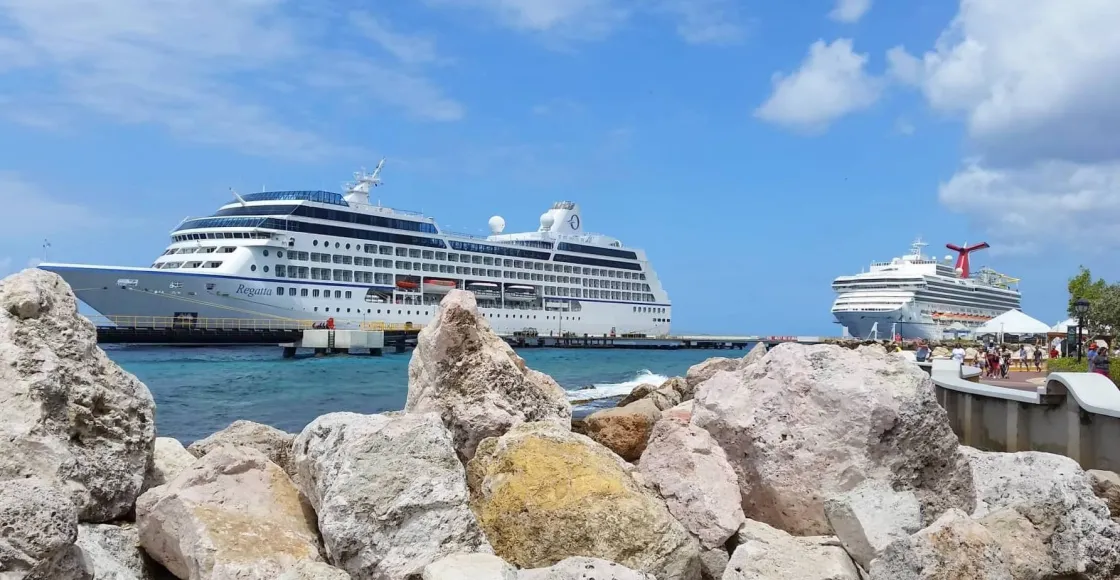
(574, 222)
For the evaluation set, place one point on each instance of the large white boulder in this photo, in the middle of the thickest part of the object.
(871, 516)
(232, 514)
(479, 386)
(38, 527)
(953, 547)
(313, 570)
(582, 568)
(469, 567)
(69, 414)
(805, 423)
(767, 553)
(390, 492)
(274, 443)
(690, 471)
(169, 458)
(1056, 497)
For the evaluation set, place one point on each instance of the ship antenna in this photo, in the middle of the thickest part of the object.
(239, 198)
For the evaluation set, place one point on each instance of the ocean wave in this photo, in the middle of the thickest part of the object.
(611, 390)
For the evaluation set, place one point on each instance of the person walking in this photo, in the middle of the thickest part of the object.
(1004, 362)
(1038, 360)
(1100, 363)
(1023, 362)
(958, 354)
(922, 354)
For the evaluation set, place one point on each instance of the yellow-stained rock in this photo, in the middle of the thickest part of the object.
(543, 494)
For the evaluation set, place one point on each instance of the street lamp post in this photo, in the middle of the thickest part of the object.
(1081, 307)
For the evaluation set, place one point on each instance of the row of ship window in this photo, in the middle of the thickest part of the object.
(403, 239)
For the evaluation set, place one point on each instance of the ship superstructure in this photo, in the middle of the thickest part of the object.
(917, 296)
(310, 255)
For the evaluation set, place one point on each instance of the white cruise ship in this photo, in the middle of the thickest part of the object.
(314, 255)
(915, 296)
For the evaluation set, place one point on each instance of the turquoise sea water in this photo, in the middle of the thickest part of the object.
(201, 390)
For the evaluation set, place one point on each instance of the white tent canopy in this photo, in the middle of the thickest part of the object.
(1013, 322)
(1064, 325)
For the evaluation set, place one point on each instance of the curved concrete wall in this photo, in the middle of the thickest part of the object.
(1072, 414)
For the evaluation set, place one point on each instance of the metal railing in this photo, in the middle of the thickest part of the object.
(183, 322)
(384, 326)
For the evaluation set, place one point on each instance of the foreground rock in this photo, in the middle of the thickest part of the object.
(469, 567)
(113, 553)
(169, 458)
(69, 414)
(954, 546)
(767, 553)
(38, 527)
(666, 396)
(1055, 497)
(390, 492)
(1106, 485)
(636, 394)
(579, 568)
(689, 470)
(232, 514)
(702, 371)
(543, 494)
(624, 430)
(809, 422)
(310, 570)
(479, 386)
(274, 443)
(870, 517)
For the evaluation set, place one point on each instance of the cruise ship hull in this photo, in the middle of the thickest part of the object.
(909, 325)
(146, 292)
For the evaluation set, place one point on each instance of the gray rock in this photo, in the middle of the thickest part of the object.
(274, 443)
(637, 393)
(469, 567)
(113, 552)
(955, 546)
(808, 422)
(581, 568)
(767, 553)
(232, 514)
(405, 475)
(1055, 495)
(311, 570)
(713, 563)
(757, 353)
(871, 516)
(690, 471)
(478, 385)
(624, 430)
(702, 371)
(1106, 485)
(70, 414)
(169, 458)
(38, 527)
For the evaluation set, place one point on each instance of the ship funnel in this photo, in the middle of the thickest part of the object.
(962, 266)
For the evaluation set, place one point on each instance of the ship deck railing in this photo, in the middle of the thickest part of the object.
(243, 324)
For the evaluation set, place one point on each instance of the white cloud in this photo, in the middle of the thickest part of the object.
(30, 212)
(408, 48)
(204, 69)
(1036, 85)
(698, 21)
(706, 21)
(849, 10)
(831, 82)
(904, 127)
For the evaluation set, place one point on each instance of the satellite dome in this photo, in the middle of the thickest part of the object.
(948, 258)
(546, 221)
(497, 224)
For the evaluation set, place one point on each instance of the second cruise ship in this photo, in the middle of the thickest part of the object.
(314, 255)
(917, 296)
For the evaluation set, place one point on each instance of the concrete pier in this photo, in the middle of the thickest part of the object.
(326, 342)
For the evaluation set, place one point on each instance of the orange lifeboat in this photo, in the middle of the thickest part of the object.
(407, 285)
(438, 286)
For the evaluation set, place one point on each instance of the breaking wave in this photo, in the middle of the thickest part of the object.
(612, 390)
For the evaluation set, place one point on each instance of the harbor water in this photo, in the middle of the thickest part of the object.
(201, 390)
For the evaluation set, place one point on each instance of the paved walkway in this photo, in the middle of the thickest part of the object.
(1027, 381)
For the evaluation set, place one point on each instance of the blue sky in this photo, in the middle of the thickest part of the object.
(754, 149)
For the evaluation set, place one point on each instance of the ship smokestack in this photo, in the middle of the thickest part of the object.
(962, 255)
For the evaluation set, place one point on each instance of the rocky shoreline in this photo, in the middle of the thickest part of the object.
(804, 462)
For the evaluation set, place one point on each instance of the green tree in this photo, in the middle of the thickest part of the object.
(1104, 311)
(1083, 286)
